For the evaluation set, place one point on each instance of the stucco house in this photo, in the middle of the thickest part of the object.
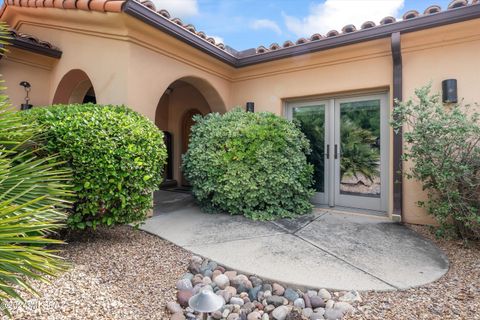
(127, 52)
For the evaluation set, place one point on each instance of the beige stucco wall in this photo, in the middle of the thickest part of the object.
(129, 62)
(19, 65)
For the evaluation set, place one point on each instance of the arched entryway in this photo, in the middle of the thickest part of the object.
(75, 87)
(183, 99)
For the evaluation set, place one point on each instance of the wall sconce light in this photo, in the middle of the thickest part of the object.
(449, 91)
(250, 107)
(27, 87)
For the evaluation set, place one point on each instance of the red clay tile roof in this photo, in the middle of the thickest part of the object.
(32, 43)
(118, 5)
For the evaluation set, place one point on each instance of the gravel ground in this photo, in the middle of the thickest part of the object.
(455, 296)
(126, 274)
(118, 273)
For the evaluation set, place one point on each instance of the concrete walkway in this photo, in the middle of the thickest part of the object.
(327, 249)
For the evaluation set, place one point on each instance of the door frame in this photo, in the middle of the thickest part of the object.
(369, 203)
(320, 198)
(330, 196)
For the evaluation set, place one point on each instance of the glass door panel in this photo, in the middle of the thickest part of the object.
(311, 118)
(359, 137)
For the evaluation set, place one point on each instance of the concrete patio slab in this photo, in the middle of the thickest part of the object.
(325, 249)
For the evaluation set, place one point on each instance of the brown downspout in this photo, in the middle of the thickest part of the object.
(398, 134)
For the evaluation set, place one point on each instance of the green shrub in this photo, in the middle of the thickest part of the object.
(249, 163)
(443, 142)
(116, 155)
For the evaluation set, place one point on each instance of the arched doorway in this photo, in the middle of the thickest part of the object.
(183, 99)
(75, 87)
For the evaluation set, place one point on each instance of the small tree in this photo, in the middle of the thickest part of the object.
(443, 142)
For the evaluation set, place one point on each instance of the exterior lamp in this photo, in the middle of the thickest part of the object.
(206, 301)
(250, 107)
(449, 91)
(27, 87)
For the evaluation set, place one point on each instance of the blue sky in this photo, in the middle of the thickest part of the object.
(244, 24)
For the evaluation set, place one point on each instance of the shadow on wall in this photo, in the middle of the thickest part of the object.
(75, 87)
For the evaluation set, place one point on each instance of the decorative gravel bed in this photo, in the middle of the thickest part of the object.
(119, 273)
(123, 273)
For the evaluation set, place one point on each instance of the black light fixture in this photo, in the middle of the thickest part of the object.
(250, 107)
(27, 87)
(449, 91)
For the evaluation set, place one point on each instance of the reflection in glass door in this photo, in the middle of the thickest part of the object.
(348, 138)
(360, 140)
(311, 117)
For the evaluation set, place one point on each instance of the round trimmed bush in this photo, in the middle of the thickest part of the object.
(116, 155)
(249, 163)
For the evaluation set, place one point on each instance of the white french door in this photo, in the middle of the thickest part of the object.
(349, 142)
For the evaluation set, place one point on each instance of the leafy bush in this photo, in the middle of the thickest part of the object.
(443, 142)
(34, 195)
(249, 163)
(116, 155)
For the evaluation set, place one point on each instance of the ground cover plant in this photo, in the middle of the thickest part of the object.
(249, 163)
(443, 143)
(117, 157)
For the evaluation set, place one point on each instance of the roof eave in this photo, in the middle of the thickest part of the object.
(28, 46)
(139, 11)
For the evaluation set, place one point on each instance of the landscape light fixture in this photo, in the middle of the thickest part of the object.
(27, 87)
(449, 91)
(206, 301)
(250, 107)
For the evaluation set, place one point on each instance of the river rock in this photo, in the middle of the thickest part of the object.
(299, 303)
(222, 281)
(306, 298)
(233, 316)
(195, 264)
(350, 297)
(183, 296)
(333, 314)
(237, 301)
(280, 313)
(184, 284)
(290, 294)
(307, 312)
(253, 293)
(275, 300)
(317, 302)
(230, 274)
(324, 294)
(344, 307)
(254, 316)
(277, 289)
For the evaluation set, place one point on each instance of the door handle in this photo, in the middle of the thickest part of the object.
(335, 153)
(328, 151)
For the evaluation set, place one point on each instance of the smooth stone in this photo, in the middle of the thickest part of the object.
(351, 297)
(217, 315)
(188, 276)
(230, 274)
(290, 294)
(311, 293)
(269, 308)
(195, 264)
(232, 290)
(197, 279)
(208, 273)
(177, 316)
(333, 314)
(183, 296)
(222, 281)
(344, 307)
(306, 298)
(225, 295)
(212, 265)
(325, 294)
(265, 316)
(295, 314)
(280, 313)
(307, 312)
(316, 316)
(267, 294)
(225, 313)
(275, 300)
(320, 311)
(256, 281)
(174, 307)
(254, 316)
(221, 269)
(253, 293)
(215, 274)
(207, 281)
(267, 287)
(317, 302)
(248, 307)
(260, 296)
(237, 301)
(241, 288)
(277, 289)
(299, 303)
(329, 304)
(184, 284)
(233, 316)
